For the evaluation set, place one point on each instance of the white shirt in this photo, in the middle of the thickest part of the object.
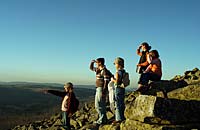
(111, 94)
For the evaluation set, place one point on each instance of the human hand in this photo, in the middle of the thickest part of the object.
(93, 61)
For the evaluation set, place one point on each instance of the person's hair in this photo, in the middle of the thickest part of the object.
(146, 45)
(69, 85)
(119, 61)
(101, 60)
(154, 54)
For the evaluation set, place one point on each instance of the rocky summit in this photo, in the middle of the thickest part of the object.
(168, 105)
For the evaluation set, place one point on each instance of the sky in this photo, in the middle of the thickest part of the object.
(54, 41)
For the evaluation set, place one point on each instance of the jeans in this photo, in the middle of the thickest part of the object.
(66, 120)
(145, 77)
(100, 105)
(119, 103)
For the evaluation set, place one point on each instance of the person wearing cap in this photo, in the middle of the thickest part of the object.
(66, 107)
(103, 76)
(143, 51)
(119, 91)
(153, 71)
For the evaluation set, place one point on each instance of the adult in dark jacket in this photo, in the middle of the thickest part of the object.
(68, 102)
(142, 51)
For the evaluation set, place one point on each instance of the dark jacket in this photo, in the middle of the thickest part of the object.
(143, 59)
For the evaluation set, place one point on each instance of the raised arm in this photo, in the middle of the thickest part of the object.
(92, 68)
(56, 93)
(138, 51)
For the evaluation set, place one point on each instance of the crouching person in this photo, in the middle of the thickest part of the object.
(69, 103)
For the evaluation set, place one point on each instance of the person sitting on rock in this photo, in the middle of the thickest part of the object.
(143, 51)
(153, 71)
(69, 103)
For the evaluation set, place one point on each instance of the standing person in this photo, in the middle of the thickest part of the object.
(119, 90)
(102, 79)
(153, 71)
(69, 103)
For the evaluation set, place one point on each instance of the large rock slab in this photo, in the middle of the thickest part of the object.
(137, 125)
(158, 110)
(190, 77)
(190, 92)
(163, 87)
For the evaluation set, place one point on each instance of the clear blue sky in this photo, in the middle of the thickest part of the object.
(55, 40)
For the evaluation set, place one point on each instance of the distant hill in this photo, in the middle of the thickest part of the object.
(35, 84)
(23, 102)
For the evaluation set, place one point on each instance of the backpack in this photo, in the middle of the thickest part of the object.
(74, 104)
(125, 79)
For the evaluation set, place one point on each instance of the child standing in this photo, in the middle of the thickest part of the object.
(69, 102)
(119, 90)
